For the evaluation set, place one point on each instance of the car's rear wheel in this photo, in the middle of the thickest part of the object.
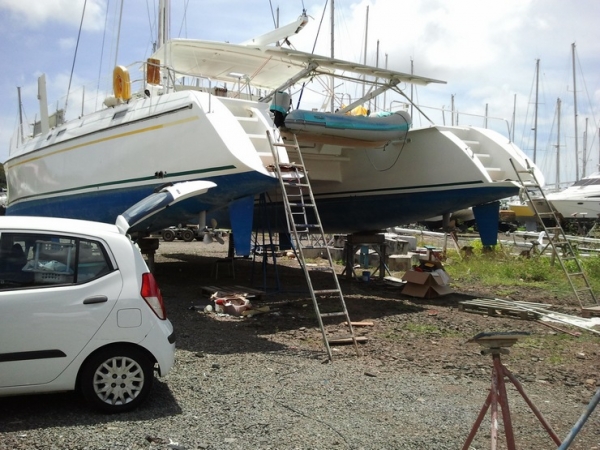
(117, 379)
(187, 235)
(168, 235)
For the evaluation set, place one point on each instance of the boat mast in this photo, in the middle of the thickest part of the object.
(20, 114)
(365, 55)
(164, 20)
(512, 137)
(575, 114)
(331, 79)
(584, 150)
(535, 123)
(163, 23)
(558, 103)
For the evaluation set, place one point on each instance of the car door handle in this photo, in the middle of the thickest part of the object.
(95, 299)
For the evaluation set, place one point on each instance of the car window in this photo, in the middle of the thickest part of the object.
(35, 259)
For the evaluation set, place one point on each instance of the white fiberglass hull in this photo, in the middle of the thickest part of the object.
(97, 166)
(579, 201)
(437, 170)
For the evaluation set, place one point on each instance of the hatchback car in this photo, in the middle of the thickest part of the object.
(79, 309)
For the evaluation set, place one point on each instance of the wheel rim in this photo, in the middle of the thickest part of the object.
(118, 380)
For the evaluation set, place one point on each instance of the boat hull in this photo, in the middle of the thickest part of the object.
(375, 211)
(101, 165)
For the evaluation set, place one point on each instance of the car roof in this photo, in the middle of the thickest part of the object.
(56, 224)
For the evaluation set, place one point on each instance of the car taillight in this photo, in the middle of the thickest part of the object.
(152, 295)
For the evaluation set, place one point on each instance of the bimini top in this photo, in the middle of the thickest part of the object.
(266, 67)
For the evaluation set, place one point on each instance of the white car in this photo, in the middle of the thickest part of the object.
(79, 308)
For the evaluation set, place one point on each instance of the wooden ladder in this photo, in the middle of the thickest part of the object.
(303, 221)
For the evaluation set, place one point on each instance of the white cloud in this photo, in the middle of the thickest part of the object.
(36, 12)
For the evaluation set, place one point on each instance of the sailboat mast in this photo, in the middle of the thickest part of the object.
(163, 22)
(365, 55)
(575, 113)
(535, 124)
(512, 128)
(331, 79)
(584, 150)
(558, 103)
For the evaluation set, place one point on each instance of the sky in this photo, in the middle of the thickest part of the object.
(485, 50)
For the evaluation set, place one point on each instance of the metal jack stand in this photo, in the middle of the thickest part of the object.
(495, 344)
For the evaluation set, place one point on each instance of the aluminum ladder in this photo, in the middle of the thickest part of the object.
(303, 221)
(561, 247)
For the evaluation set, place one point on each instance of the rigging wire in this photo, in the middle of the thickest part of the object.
(151, 23)
(75, 55)
(273, 14)
(184, 19)
(102, 52)
(313, 49)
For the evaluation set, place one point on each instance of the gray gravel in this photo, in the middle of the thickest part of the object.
(233, 387)
(280, 399)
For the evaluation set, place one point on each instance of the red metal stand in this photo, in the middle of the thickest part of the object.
(497, 395)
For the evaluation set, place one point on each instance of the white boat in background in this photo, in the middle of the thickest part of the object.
(182, 121)
(579, 201)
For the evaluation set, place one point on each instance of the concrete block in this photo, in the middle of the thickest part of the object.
(399, 263)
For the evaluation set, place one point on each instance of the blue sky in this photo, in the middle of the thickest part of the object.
(485, 50)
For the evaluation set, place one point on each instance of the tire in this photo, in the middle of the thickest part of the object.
(168, 235)
(130, 366)
(187, 235)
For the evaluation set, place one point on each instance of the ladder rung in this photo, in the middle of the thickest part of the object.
(277, 144)
(326, 291)
(291, 165)
(295, 184)
(306, 205)
(575, 274)
(333, 314)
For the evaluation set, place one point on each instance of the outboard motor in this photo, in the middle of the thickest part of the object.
(280, 107)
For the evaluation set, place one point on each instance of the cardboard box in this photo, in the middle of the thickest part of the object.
(424, 284)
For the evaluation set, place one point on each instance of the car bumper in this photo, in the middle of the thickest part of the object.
(160, 341)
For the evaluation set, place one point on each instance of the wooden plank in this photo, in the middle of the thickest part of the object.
(344, 341)
(232, 290)
(590, 311)
(360, 324)
(496, 309)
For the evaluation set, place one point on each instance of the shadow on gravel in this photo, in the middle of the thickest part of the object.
(29, 412)
(181, 279)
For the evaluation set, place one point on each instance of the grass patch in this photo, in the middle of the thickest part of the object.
(508, 273)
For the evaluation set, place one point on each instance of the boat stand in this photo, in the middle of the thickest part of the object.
(495, 344)
(354, 242)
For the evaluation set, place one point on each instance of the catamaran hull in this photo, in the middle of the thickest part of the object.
(96, 167)
(365, 212)
(437, 170)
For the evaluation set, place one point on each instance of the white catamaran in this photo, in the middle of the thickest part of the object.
(181, 122)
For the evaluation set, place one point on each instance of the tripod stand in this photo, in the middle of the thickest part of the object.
(495, 344)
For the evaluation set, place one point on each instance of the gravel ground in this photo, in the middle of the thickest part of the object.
(264, 382)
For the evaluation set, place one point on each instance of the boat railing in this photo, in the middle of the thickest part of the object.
(455, 118)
